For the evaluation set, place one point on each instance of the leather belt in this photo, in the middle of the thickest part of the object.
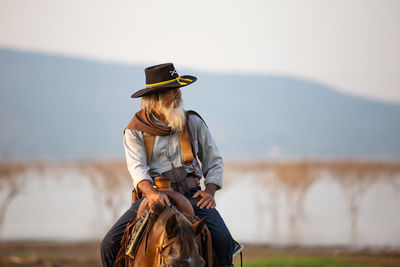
(180, 180)
(191, 182)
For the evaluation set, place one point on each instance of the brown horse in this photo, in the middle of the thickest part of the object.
(170, 239)
(171, 236)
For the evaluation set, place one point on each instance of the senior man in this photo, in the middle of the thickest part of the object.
(163, 124)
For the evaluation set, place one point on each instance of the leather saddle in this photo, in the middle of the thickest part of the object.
(163, 185)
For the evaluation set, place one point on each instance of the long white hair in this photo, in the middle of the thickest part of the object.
(174, 114)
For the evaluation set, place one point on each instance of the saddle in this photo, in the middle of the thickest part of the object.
(136, 229)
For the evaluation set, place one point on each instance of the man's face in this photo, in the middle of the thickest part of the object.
(171, 107)
(171, 96)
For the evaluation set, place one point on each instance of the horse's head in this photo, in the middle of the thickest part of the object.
(177, 244)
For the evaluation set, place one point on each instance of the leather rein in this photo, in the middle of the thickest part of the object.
(162, 246)
(165, 243)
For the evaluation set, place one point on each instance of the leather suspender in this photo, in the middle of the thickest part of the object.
(186, 148)
(149, 143)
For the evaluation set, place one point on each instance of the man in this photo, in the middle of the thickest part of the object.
(163, 119)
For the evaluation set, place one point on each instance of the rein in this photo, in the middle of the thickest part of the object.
(163, 244)
(127, 254)
(160, 249)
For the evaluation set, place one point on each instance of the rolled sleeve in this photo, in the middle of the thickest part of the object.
(211, 160)
(136, 158)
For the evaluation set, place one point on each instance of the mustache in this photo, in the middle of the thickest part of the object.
(177, 102)
(174, 114)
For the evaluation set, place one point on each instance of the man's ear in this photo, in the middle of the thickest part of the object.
(198, 226)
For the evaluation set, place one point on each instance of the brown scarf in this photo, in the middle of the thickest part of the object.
(142, 122)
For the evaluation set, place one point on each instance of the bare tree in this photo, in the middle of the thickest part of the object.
(291, 179)
(295, 179)
(12, 182)
(355, 179)
(109, 179)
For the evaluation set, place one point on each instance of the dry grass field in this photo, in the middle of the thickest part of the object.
(292, 179)
(54, 254)
(258, 255)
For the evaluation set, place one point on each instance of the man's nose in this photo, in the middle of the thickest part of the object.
(178, 93)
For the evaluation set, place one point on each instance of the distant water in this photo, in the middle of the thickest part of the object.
(63, 205)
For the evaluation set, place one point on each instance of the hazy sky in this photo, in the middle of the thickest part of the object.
(350, 45)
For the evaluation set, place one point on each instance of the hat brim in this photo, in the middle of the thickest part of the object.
(163, 87)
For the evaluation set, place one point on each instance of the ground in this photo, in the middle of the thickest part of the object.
(52, 254)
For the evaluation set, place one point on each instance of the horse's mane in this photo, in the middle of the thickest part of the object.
(182, 231)
(182, 234)
(158, 209)
(163, 223)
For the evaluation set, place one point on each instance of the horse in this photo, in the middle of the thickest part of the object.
(172, 240)
(171, 237)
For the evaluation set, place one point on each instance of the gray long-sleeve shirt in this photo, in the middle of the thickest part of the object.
(167, 148)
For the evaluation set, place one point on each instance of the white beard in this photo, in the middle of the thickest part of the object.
(174, 115)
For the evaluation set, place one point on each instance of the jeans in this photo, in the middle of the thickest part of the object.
(221, 237)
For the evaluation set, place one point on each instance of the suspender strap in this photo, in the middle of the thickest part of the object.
(186, 148)
(183, 141)
(149, 143)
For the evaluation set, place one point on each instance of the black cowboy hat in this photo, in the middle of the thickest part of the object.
(162, 77)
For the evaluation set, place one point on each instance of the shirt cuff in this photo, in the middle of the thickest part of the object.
(140, 178)
(214, 180)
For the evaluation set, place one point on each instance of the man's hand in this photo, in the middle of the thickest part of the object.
(157, 197)
(153, 196)
(207, 197)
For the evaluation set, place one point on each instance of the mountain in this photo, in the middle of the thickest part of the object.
(60, 107)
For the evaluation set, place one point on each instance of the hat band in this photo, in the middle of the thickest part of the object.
(181, 81)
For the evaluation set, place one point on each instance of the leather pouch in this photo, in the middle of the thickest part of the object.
(178, 179)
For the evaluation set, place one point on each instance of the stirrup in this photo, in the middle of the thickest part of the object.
(237, 248)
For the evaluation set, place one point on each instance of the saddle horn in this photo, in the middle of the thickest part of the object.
(163, 184)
